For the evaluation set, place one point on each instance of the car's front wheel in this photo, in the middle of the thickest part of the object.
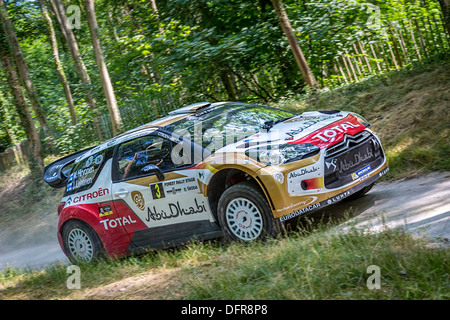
(245, 215)
(81, 243)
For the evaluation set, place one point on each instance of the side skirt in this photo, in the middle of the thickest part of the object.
(164, 237)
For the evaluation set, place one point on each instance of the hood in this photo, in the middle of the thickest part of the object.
(318, 128)
(297, 138)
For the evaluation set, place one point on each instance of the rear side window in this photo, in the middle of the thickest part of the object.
(85, 172)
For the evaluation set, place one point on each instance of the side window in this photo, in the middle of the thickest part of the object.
(85, 172)
(133, 156)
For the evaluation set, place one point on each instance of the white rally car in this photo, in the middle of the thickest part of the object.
(210, 170)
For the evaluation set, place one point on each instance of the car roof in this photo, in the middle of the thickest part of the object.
(198, 109)
(176, 115)
(149, 127)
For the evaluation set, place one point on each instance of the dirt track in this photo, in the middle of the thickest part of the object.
(421, 205)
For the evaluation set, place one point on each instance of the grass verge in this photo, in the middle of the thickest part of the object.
(301, 265)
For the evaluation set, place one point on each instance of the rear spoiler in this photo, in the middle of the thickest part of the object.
(56, 173)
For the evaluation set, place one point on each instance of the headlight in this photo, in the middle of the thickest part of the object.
(279, 154)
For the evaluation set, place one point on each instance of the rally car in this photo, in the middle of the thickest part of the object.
(210, 170)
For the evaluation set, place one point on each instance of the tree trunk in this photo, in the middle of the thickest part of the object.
(58, 64)
(36, 164)
(108, 90)
(227, 81)
(72, 44)
(445, 7)
(297, 51)
(22, 67)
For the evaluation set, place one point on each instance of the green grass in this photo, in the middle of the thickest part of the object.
(321, 266)
(301, 265)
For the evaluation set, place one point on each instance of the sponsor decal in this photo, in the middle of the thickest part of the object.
(301, 211)
(305, 202)
(302, 172)
(111, 142)
(105, 211)
(80, 183)
(305, 125)
(363, 173)
(307, 178)
(175, 210)
(330, 133)
(138, 199)
(89, 162)
(382, 173)
(339, 197)
(358, 158)
(331, 165)
(317, 205)
(113, 223)
(303, 118)
(94, 150)
(91, 195)
(174, 187)
(84, 176)
(98, 159)
(81, 173)
(343, 165)
(168, 137)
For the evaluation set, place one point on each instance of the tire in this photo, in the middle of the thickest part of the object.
(244, 214)
(81, 243)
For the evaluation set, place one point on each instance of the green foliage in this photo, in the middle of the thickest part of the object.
(190, 51)
(407, 109)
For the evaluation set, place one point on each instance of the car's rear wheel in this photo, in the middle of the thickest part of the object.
(81, 243)
(245, 215)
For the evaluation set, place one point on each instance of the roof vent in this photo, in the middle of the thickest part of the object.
(192, 108)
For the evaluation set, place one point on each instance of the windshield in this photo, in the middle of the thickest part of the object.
(214, 128)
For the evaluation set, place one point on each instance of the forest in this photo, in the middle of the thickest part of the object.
(77, 72)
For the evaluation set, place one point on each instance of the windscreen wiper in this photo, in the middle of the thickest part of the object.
(270, 123)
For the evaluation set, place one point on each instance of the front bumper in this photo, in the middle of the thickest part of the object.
(338, 197)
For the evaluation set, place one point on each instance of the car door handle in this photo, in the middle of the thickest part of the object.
(121, 193)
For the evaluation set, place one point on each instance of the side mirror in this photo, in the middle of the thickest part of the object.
(151, 168)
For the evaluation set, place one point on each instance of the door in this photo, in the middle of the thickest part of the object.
(159, 201)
